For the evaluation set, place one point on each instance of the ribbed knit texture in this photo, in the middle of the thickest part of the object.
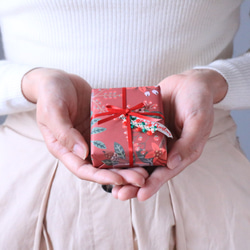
(115, 42)
(237, 73)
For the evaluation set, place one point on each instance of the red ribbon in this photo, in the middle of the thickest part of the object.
(115, 112)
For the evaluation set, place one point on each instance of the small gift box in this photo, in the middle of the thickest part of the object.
(127, 128)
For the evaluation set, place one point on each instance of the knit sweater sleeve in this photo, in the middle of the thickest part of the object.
(11, 97)
(236, 71)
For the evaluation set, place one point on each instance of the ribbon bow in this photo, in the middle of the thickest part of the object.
(115, 112)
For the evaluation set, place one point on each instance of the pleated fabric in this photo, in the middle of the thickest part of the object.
(44, 206)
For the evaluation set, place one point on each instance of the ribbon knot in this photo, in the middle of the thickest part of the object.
(127, 111)
(115, 112)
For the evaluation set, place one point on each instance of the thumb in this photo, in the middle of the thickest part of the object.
(189, 146)
(61, 137)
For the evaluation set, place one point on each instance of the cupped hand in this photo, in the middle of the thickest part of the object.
(63, 117)
(188, 100)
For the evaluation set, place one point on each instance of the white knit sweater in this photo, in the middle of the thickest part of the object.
(120, 43)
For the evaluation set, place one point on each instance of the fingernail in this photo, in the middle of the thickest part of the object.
(137, 185)
(141, 184)
(77, 149)
(174, 161)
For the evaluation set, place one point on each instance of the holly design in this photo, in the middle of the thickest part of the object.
(143, 125)
(146, 126)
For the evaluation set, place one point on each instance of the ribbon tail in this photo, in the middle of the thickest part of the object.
(148, 124)
(164, 130)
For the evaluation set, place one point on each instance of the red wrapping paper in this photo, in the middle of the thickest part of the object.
(113, 144)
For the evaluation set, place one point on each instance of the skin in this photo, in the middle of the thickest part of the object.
(63, 118)
(188, 100)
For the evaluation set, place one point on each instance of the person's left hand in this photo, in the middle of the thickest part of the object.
(188, 100)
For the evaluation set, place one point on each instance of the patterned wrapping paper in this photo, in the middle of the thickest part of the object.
(124, 124)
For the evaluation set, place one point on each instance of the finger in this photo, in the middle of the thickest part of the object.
(135, 176)
(79, 167)
(62, 131)
(189, 146)
(115, 191)
(102, 176)
(125, 192)
(85, 171)
(154, 182)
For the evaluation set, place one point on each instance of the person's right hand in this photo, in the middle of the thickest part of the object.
(63, 117)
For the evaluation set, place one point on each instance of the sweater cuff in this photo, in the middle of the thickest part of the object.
(237, 74)
(12, 99)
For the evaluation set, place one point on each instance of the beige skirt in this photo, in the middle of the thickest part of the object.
(44, 206)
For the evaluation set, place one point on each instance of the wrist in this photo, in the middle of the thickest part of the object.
(220, 86)
(28, 85)
(36, 81)
(217, 84)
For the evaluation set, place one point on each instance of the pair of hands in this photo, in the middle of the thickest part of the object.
(63, 114)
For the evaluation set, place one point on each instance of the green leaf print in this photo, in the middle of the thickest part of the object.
(99, 144)
(143, 159)
(93, 121)
(119, 150)
(108, 162)
(97, 130)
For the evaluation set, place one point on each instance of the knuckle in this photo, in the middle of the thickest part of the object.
(63, 137)
(194, 151)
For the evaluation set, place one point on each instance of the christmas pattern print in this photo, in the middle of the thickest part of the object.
(127, 128)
